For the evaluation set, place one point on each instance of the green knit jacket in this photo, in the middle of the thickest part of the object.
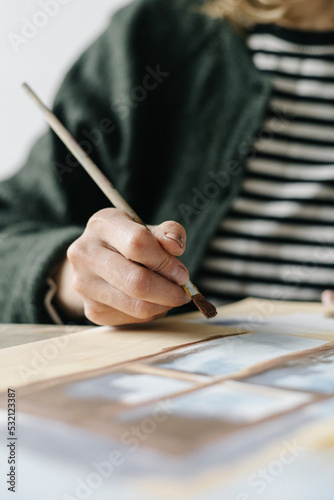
(167, 102)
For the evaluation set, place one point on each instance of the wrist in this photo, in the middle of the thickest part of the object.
(68, 302)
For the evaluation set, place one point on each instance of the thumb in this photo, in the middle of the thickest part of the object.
(171, 236)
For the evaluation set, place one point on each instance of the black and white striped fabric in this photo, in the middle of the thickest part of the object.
(277, 241)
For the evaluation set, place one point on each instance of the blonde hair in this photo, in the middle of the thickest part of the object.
(245, 13)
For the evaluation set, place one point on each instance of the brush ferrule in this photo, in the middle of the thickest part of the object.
(191, 289)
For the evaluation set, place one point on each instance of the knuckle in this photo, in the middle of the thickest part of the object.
(77, 250)
(93, 311)
(94, 220)
(142, 310)
(138, 283)
(100, 218)
(137, 242)
(71, 251)
(166, 265)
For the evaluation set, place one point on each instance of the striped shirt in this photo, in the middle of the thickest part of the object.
(277, 241)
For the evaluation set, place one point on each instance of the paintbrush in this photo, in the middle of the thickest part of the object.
(108, 189)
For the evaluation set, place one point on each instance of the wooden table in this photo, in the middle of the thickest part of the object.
(83, 432)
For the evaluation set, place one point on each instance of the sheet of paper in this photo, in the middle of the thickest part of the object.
(290, 324)
(265, 468)
(301, 465)
(229, 401)
(58, 461)
(310, 373)
(198, 445)
(126, 388)
(96, 348)
(224, 356)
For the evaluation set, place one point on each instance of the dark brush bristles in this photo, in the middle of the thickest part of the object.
(204, 306)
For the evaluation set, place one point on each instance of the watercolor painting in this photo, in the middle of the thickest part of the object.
(126, 387)
(227, 355)
(310, 373)
(234, 402)
(92, 403)
(229, 401)
(284, 462)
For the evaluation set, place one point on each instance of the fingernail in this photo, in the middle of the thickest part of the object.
(179, 276)
(176, 237)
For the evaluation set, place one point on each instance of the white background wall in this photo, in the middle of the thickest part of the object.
(42, 62)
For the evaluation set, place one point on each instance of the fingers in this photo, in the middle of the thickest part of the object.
(97, 290)
(138, 244)
(124, 272)
(103, 315)
(327, 298)
(133, 280)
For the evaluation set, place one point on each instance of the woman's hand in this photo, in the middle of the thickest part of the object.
(119, 273)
